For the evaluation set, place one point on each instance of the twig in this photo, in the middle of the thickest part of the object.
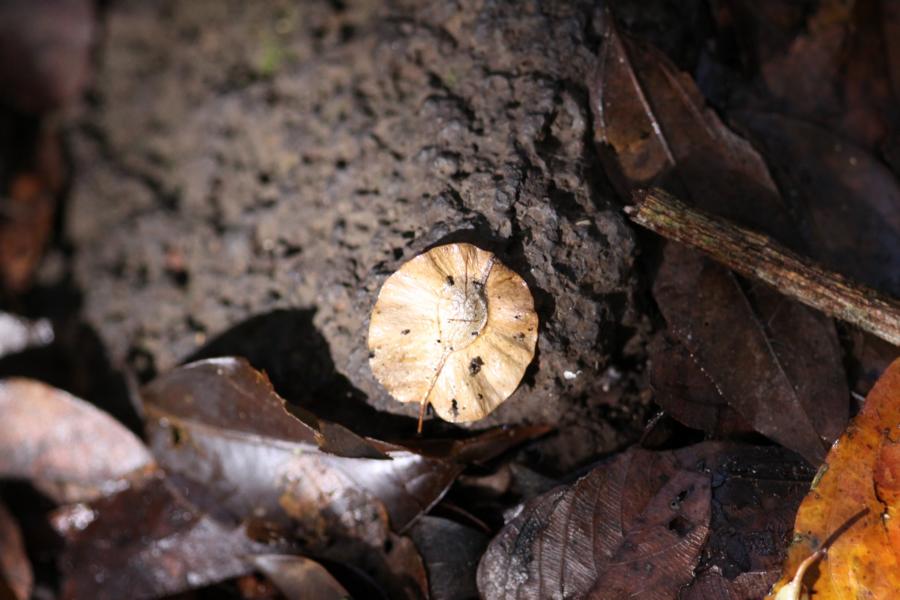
(755, 255)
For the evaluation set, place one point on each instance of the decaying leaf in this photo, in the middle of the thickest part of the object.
(451, 552)
(70, 449)
(854, 504)
(16, 576)
(631, 528)
(453, 328)
(755, 494)
(227, 440)
(45, 52)
(148, 542)
(829, 65)
(847, 199)
(298, 577)
(688, 394)
(763, 353)
(653, 128)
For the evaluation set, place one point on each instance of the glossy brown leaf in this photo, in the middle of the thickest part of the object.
(226, 437)
(148, 542)
(653, 127)
(298, 577)
(15, 569)
(70, 449)
(846, 199)
(631, 528)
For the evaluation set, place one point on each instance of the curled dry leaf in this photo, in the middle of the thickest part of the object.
(149, 542)
(298, 577)
(16, 576)
(67, 447)
(653, 128)
(631, 528)
(455, 328)
(854, 504)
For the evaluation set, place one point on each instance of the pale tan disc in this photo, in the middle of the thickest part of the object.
(455, 328)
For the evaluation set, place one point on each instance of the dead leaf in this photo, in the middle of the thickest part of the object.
(712, 585)
(224, 435)
(860, 474)
(451, 552)
(67, 447)
(688, 394)
(845, 199)
(45, 52)
(15, 569)
(25, 225)
(829, 67)
(148, 542)
(631, 528)
(653, 128)
(763, 353)
(755, 495)
(299, 578)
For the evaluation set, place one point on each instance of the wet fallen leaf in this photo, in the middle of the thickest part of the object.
(298, 577)
(653, 127)
(854, 503)
(258, 458)
(631, 528)
(228, 441)
(148, 542)
(15, 569)
(845, 199)
(67, 447)
(451, 552)
(226, 438)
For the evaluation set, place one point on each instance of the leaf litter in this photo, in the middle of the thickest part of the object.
(239, 488)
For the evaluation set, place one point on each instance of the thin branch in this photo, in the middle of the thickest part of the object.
(757, 256)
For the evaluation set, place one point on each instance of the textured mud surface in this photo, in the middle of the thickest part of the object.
(251, 181)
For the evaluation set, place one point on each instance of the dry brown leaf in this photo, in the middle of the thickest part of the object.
(631, 528)
(67, 447)
(453, 328)
(854, 504)
(781, 361)
(15, 570)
